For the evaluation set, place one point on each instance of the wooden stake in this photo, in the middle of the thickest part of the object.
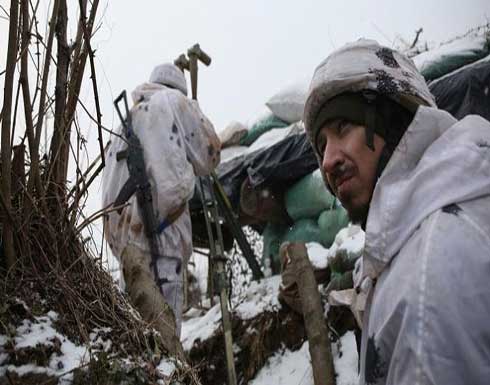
(316, 327)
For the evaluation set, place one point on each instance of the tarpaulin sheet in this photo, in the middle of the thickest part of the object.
(277, 166)
(465, 91)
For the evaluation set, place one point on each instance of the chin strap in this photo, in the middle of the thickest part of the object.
(370, 118)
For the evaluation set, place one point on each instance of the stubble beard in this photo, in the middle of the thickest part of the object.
(357, 213)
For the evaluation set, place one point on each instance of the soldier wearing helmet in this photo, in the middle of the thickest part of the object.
(418, 181)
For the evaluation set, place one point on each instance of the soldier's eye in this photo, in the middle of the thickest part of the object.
(321, 144)
(341, 125)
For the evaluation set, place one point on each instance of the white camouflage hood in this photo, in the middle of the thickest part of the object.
(440, 161)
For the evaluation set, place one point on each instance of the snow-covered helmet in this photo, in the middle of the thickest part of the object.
(361, 80)
(169, 75)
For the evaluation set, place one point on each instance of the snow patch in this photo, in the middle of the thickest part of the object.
(464, 45)
(346, 360)
(351, 239)
(292, 368)
(318, 255)
(286, 368)
(166, 367)
(260, 297)
(41, 332)
(269, 138)
(200, 328)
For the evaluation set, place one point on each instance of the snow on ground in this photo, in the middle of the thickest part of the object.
(286, 368)
(166, 367)
(260, 297)
(42, 332)
(200, 328)
(294, 368)
(66, 357)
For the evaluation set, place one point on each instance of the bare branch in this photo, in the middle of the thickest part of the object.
(85, 175)
(108, 130)
(14, 122)
(24, 78)
(77, 76)
(94, 81)
(58, 161)
(6, 210)
(87, 185)
(34, 174)
(5, 11)
(100, 213)
(8, 236)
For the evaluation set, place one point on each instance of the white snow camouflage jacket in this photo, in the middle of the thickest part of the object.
(427, 250)
(178, 143)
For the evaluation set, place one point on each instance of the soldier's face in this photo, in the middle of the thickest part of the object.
(350, 165)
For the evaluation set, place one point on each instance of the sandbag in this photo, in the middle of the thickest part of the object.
(264, 204)
(438, 62)
(268, 123)
(289, 103)
(232, 134)
(280, 165)
(308, 197)
(330, 223)
(272, 237)
(346, 250)
(303, 230)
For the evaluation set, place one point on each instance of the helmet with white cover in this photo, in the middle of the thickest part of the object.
(359, 82)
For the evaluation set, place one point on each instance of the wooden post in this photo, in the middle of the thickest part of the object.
(316, 328)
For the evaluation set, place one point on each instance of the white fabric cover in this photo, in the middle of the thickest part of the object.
(365, 65)
(170, 75)
(178, 143)
(466, 46)
(427, 253)
(289, 103)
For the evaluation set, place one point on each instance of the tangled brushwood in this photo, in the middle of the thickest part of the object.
(45, 265)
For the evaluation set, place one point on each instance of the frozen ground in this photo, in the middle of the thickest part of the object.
(63, 355)
(286, 367)
(293, 368)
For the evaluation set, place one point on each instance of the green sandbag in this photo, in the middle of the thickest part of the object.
(308, 197)
(261, 127)
(464, 52)
(303, 230)
(272, 237)
(330, 223)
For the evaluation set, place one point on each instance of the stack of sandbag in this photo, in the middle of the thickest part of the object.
(453, 55)
(284, 111)
(232, 134)
(260, 127)
(465, 91)
(289, 103)
(316, 217)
